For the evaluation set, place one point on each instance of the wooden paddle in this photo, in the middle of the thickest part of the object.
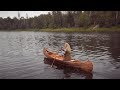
(53, 62)
(55, 58)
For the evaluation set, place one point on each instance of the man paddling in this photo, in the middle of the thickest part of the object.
(67, 50)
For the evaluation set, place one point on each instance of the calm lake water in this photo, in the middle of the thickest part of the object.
(21, 54)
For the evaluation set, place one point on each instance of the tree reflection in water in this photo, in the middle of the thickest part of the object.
(115, 46)
(114, 49)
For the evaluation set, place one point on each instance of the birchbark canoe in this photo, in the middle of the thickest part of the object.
(57, 59)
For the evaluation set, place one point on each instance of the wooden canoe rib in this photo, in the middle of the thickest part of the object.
(86, 66)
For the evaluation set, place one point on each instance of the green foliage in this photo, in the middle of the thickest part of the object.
(84, 20)
(68, 19)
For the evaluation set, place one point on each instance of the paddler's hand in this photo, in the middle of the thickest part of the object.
(62, 49)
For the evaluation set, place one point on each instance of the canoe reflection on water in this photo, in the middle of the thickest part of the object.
(68, 71)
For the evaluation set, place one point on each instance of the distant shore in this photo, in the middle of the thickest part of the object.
(112, 29)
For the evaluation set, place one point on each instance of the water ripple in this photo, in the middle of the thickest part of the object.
(21, 54)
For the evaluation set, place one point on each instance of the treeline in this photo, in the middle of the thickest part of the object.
(66, 19)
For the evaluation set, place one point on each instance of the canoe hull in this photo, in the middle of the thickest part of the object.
(58, 60)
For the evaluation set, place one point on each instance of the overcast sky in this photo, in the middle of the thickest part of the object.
(12, 14)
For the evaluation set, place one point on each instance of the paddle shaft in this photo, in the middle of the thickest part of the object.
(53, 62)
(55, 58)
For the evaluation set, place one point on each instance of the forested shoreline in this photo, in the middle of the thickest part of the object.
(63, 19)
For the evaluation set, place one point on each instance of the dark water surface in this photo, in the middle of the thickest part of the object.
(21, 54)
